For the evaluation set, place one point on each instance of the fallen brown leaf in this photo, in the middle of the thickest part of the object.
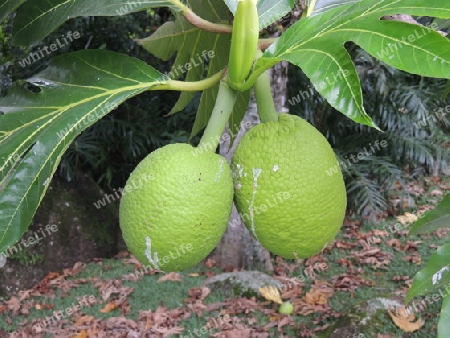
(132, 260)
(286, 320)
(82, 334)
(13, 305)
(43, 306)
(195, 274)
(198, 293)
(316, 298)
(436, 192)
(414, 257)
(210, 263)
(83, 320)
(169, 332)
(395, 243)
(405, 320)
(110, 306)
(400, 278)
(343, 245)
(443, 232)
(411, 246)
(43, 285)
(407, 218)
(171, 276)
(271, 293)
(349, 283)
(75, 270)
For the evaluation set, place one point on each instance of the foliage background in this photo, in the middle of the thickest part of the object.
(400, 103)
(111, 148)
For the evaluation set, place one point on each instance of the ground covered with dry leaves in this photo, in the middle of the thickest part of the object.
(120, 298)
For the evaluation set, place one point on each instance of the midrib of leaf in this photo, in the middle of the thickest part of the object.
(74, 126)
(331, 27)
(268, 11)
(43, 14)
(212, 7)
(327, 29)
(62, 109)
(340, 68)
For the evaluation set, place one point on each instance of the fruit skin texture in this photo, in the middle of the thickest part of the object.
(177, 206)
(283, 190)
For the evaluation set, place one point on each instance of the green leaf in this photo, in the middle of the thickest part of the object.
(269, 10)
(194, 47)
(7, 7)
(315, 44)
(442, 24)
(443, 329)
(325, 5)
(433, 219)
(446, 91)
(38, 125)
(37, 18)
(199, 54)
(434, 275)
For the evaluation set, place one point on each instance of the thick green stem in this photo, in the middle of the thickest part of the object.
(226, 98)
(190, 86)
(264, 100)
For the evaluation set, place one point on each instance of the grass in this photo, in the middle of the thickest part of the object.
(148, 294)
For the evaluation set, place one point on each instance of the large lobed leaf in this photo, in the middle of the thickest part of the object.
(435, 275)
(37, 18)
(433, 219)
(269, 10)
(316, 44)
(192, 47)
(37, 126)
(325, 5)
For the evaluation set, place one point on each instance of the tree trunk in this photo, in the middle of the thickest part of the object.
(238, 249)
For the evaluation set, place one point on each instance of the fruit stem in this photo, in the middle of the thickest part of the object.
(226, 98)
(264, 100)
(189, 86)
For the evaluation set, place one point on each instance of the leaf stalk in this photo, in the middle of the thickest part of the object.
(201, 23)
(190, 86)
